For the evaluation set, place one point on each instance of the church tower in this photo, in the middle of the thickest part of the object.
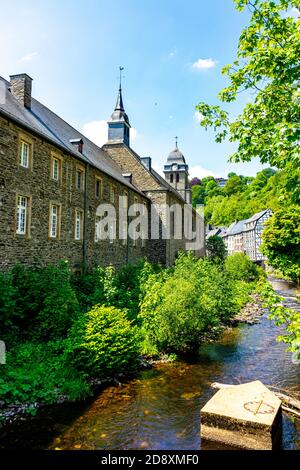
(118, 124)
(176, 173)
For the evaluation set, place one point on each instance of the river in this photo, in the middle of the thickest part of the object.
(160, 409)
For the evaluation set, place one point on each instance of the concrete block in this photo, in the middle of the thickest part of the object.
(246, 416)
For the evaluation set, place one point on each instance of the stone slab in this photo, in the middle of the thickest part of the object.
(247, 416)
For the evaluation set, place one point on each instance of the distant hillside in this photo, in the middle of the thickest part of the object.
(241, 197)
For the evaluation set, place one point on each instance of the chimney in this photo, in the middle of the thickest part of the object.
(128, 177)
(20, 87)
(78, 143)
(146, 161)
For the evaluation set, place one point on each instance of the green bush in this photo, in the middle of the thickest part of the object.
(216, 249)
(38, 372)
(103, 341)
(60, 306)
(183, 303)
(281, 241)
(7, 307)
(121, 289)
(240, 267)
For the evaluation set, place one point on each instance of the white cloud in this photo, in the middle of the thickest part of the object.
(28, 57)
(204, 64)
(96, 131)
(293, 12)
(198, 116)
(158, 168)
(200, 172)
(133, 133)
(172, 54)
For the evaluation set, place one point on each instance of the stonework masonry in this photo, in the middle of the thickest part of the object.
(33, 141)
(36, 184)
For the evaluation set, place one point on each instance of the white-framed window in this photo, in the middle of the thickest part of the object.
(125, 200)
(79, 178)
(54, 220)
(78, 225)
(98, 184)
(135, 201)
(56, 168)
(24, 154)
(22, 215)
(112, 194)
(145, 214)
(124, 232)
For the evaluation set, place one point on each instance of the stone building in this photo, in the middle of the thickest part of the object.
(53, 182)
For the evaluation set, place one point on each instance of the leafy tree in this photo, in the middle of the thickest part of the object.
(267, 65)
(281, 241)
(212, 188)
(240, 267)
(206, 179)
(216, 248)
(233, 185)
(198, 195)
(194, 182)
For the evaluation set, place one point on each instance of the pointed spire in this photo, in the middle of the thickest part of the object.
(118, 124)
(119, 104)
(176, 142)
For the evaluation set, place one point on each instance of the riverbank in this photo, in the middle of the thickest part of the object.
(13, 413)
(159, 407)
(251, 312)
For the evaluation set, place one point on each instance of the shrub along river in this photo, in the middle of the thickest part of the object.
(160, 408)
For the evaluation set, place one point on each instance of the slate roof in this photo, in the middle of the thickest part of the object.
(44, 122)
(176, 156)
(119, 114)
(238, 227)
(159, 179)
(257, 216)
(216, 231)
(235, 228)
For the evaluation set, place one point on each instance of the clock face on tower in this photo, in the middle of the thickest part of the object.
(174, 167)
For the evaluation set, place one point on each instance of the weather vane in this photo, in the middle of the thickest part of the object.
(121, 76)
(176, 140)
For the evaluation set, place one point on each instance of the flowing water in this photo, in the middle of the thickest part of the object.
(160, 409)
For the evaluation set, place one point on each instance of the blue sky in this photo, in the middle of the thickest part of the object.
(72, 50)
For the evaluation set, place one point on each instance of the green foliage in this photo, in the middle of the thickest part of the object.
(37, 302)
(38, 372)
(198, 194)
(241, 268)
(267, 64)
(97, 321)
(216, 249)
(121, 289)
(7, 306)
(287, 317)
(281, 241)
(103, 341)
(239, 200)
(233, 185)
(183, 303)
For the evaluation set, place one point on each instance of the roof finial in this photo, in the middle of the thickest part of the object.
(176, 141)
(121, 70)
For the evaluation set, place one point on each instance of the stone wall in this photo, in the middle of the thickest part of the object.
(37, 184)
(163, 250)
